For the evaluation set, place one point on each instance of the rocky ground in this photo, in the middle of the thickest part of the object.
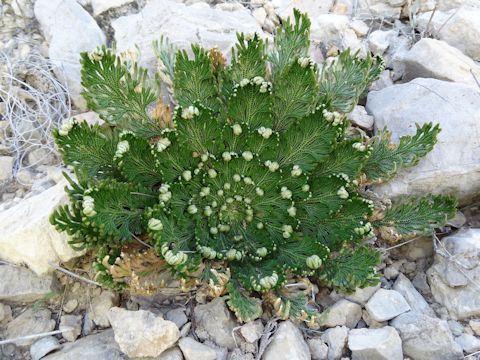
(427, 306)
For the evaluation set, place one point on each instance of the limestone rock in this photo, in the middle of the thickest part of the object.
(452, 166)
(287, 344)
(360, 117)
(72, 322)
(468, 343)
(426, 338)
(100, 6)
(375, 344)
(44, 346)
(215, 322)
(101, 304)
(100, 346)
(29, 322)
(334, 31)
(193, 350)
(318, 349)
(142, 333)
(5, 314)
(27, 237)
(252, 331)
(430, 58)
(18, 284)
(177, 316)
(379, 9)
(182, 25)
(449, 286)
(341, 313)
(379, 41)
(69, 30)
(458, 27)
(336, 339)
(313, 8)
(6, 165)
(416, 301)
(386, 304)
(475, 325)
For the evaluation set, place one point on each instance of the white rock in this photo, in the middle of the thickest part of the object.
(386, 304)
(230, 6)
(375, 344)
(416, 301)
(5, 314)
(475, 325)
(100, 6)
(44, 346)
(371, 323)
(318, 349)
(360, 117)
(426, 338)
(360, 27)
(6, 165)
(452, 288)
(101, 304)
(341, 313)
(170, 354)
(70, 306)
(31, 321)
(193, 350)
(69, 30)
(452, 166)
(177, 316)
(260, 15)
(380, 40)
(384, 80)
(468, 343)
(455, 4)
(380, 9)
(252, 331)
(430, 58)
(334, 30)
(18, 284)
(183, 25)
(72, 326)
(215, 322)
(458, 27)
(142, 333)
(287, 344)
(336, 339)
(313, 8)
(27, 237)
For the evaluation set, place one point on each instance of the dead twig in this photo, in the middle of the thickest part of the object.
(72, 274)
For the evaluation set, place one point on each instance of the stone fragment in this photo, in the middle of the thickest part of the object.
(468, 343)
(336, 339)
(318, 349)
(101, 304)
(360, 117)
(6, 165)
(29, 322)
(177, 316)
(252, 331)
(193, 350)
(70, 306)
(21, 285)
(100, 6)
(475, 325)
(43, 347)
(341, 313)
(386, 304)
(416, 301)
(287, 343)
(71, 325)
(375, 344)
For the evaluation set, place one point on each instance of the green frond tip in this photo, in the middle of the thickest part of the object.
(387, 159)
(412, 216)
(245, 308)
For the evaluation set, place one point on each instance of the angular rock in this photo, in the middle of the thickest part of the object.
(468, 343)
(334, 31)
(455, 4)
(426, 338)
(430, 58)
(379, 8)
(142, 333)
(451, 167)
(100, 6)
(18, 284)
(71, 326)
(6, 165)
(416, 301)
(287, 343)
(28, 323)
(370, 322)
(43, 347)
(375, 344)
(100, 346)
(386, 304)
(193, 350)
(451, 287)
(215, 322)
(69, 30)
(318, 349)
(475, 325)
(336, 339)
(313, 8)
(458, 27)
(252, 331)
(98, 312)
(5, 314)
(27, 237)
(341, 313)
(177, 316)
(380, 40)
(360, 117)
(182, 25)
(170, 354)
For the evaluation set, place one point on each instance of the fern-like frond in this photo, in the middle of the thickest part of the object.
(246, 308)
(387, 159)
(248, 58)
(165, 53)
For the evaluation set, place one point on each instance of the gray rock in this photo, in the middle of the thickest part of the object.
(287, 343)
(361, 296)
(341, 313)
(28, 323)
(252, 331)
(475, 325)
(426, 338)
(455, 327)
(101, 304)
(386, 304)
(6, 165)
(100, 346)
(142, 333)
(458, 27)
(5, 313)
(313, 8)
(378, 8)
(193, 350)
(44, 346)
(72, 322)
(370, 322)
(336, 339)
(452, 287)
(318, 349)
(215, 322)
(468, 343)
(18, 284)
(177, 316)
(69, 30)
(360, 117)
(430, 58)
(375, 344)
(380, 40)
(450, 167)
(412, 296)
(100, 6)
(331, 30)
(70, 306)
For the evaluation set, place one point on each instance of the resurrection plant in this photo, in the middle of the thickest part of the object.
(251, 181)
